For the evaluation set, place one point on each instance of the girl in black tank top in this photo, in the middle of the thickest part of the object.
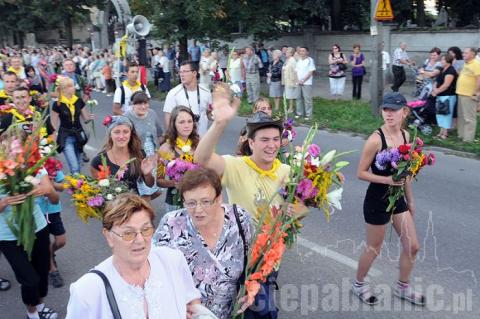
(394, 113)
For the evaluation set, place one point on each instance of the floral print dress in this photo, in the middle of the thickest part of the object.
(215, 272)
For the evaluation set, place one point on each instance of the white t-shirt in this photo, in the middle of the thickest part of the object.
(177, 96)
(304, 66)
(164, 63)
(385, 60)
(127, 106)
(235, 70)
(167, 291)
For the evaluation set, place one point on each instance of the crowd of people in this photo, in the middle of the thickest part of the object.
(200, 241)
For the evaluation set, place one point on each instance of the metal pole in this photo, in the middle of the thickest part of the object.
(376, 83)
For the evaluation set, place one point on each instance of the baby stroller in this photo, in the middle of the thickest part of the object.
(420, 116)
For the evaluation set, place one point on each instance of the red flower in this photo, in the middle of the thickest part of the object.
(406, 157)
(404, 149)
(53, 78)
(107, 120)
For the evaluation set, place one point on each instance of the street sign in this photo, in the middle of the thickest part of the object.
(383, 11)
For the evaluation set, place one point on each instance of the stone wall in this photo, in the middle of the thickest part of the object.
(419, 43)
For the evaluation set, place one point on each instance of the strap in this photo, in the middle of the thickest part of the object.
(245, 247)
(382, 136)
(142, 87)
(404, 138)
(110, 296)
(122, 99)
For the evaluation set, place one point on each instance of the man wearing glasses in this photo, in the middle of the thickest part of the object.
(191, 94)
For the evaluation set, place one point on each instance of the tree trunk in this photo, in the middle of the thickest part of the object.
(183, 47)
(68, 30)
(336, 14)
(420, 13)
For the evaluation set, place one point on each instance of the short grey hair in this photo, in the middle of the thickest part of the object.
(276, 53)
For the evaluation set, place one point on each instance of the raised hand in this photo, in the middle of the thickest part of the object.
(148, 164)
(224, 108)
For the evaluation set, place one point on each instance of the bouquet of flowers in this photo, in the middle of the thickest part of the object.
(405, 160)
(90, 195)
(20, 161)
(91, 105)
(315, 180)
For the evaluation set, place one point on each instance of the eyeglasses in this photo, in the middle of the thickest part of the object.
(130, 235)
(202, 203)
(185, 71)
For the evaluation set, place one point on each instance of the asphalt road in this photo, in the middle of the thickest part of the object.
(315, 275)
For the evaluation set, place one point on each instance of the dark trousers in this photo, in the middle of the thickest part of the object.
(31, 275)
(357, 86)
(165, 84)
(398, 77)
(110, 85)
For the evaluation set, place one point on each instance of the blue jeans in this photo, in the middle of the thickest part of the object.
(72, 154)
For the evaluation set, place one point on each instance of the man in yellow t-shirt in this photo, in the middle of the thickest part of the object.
(468, 91)
(249, 181)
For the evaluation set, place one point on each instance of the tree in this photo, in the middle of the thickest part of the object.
(464, 12)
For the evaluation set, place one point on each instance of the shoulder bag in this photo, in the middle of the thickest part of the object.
(110, 296)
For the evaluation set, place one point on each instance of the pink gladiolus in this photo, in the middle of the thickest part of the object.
(406, 157)
(314, 150)
(419, 141)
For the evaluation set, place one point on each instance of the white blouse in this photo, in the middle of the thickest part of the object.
(168, 290)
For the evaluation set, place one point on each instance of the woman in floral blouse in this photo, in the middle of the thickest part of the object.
(208, 234)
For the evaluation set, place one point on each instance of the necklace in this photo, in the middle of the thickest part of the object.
(391, 138)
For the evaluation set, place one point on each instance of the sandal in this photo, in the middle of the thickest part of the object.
(47, 313)
(363, 292)
(406, 292)
(4, 284)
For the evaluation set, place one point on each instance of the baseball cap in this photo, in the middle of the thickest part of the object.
(393, 101)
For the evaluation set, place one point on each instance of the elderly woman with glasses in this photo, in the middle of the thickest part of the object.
(211, 235)
(146, 281)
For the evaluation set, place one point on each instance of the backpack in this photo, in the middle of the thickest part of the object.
(122, 99)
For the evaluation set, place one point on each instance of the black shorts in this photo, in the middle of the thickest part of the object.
(375, 210)
(55, 224)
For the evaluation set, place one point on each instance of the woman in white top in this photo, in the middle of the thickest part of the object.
(289, 78)
(235, 70)
(146, 282)
(204, 69)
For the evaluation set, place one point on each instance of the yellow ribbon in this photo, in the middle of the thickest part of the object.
(180, 143)
(3, 94)
(70, 103)
(17, 72)
(270, 173)
(18, 115)
(132, 88)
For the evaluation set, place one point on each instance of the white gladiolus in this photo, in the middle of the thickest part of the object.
(334, 198)
(32, 180)
(104, 183)
(315, 161)
(109, 196)
(118, 189)
(328, 158)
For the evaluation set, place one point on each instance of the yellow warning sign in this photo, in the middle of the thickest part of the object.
(384, 11)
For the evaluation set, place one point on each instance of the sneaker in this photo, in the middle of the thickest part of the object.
(47, 313)
(364, 294)
(55, 279)
(85, 158)
(297, 116)
(307, 118)
(406, 292)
